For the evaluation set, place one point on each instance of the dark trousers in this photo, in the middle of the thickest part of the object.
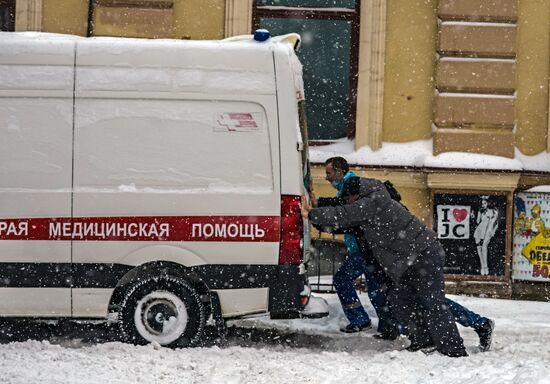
(418, 300)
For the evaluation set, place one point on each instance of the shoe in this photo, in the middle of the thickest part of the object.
(414, 347)
(485, 333)
(385, 336)
(429, 350)
(457, 353)
(353, 328)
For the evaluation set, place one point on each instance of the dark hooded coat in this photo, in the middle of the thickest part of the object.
(395, 236)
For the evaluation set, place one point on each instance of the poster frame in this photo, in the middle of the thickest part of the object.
(507, 277)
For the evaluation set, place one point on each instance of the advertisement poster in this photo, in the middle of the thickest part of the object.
(472, 229)
(531, 242)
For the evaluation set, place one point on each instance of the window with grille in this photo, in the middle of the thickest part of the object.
(7, 15)
(329, 53)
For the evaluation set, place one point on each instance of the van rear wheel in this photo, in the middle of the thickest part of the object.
(162, 309)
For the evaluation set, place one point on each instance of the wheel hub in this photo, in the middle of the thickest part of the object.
(161, 316)
(157, 313)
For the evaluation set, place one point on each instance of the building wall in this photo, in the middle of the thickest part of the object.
(65, 16)
(190, 19)
(147, 20)
(412, 73)
(474, 105)
(199, 19)
(411, 31)
(533, 64)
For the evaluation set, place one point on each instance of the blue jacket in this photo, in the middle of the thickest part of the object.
(349, 240)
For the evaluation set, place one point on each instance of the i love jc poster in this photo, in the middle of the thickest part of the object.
(472, 230)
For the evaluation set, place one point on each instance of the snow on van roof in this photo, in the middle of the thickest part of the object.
(37, 36)
(165, 65)
(238, 53)
(241, 40)
(19, 45)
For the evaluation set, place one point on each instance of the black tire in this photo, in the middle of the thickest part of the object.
(162, 309)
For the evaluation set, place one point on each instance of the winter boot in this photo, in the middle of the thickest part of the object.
(485, 333)
(457, 353)
(353, 328)
(385, 336)
(417, 346)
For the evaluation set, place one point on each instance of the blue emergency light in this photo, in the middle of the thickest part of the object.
(261, 35)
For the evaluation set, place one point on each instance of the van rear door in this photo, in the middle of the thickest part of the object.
(36, 111)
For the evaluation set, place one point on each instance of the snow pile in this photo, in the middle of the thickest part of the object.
(420, 154)
(539, 188)
(520, 354)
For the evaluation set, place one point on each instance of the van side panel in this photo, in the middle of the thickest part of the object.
(91, 302)
(190, 145)
(36, 115)
(41, 302)
(117, 152)
(251, 301)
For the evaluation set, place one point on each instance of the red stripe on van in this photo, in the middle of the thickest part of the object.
(144, 228)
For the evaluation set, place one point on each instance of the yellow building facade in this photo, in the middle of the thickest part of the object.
(468, 76)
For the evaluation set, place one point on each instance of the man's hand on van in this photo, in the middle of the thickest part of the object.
(305, 207)
(313, 198)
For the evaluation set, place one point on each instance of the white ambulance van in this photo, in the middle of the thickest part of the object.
(151, 182)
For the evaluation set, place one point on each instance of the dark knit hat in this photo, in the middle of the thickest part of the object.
(351, 186)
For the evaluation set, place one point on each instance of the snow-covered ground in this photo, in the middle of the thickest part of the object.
(299, 351)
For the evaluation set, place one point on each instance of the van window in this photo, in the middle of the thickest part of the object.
(206, 146)
(302, 116)
(7, 15)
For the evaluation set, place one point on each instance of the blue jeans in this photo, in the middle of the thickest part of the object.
(354, 266)
(463, 315)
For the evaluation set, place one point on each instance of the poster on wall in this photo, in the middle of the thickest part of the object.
(472, 230)
(531, 241)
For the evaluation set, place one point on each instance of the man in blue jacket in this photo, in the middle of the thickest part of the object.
(355, 265)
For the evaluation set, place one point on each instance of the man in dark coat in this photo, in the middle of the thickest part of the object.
(409, 254)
